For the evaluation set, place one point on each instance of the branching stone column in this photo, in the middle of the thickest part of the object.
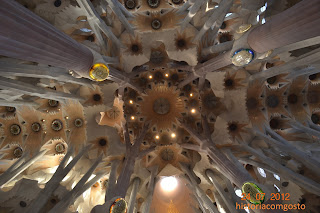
(205, 201)
(224, 165)
(133, 196)
(224, 196)
(112, 179)
(151, 185)
(300, 22)
(26, 36)
(132, 153)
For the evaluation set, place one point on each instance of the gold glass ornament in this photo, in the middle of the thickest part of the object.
(242, 57)
(99, 72)
(244, 28)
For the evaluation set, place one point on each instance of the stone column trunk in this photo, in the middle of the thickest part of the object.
(228, 168)
(26, 36)
(112, 180)
(124, 178)
(133, 196)
(300, 22)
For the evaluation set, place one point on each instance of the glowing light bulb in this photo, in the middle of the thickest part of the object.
(193, 111)
(150, 76)
(157, 137)
(191, 94)
(131, 102)
(132, 118)
(168, 184)
(167, 75)
(173, 135)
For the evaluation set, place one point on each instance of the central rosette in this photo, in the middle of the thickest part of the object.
(162, 106)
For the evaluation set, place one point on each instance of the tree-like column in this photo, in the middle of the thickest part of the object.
(26, 36)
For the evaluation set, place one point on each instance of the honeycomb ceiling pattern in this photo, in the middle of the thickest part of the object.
(169, 96)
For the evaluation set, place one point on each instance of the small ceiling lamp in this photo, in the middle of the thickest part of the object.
(150, 76)
(157, 137)
(173, 135)
(99, 72)
(132, 118)
(242, 57)
(193, 111)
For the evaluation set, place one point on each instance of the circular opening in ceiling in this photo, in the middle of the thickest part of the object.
(223, 25)
(153, 3)
(135, 48)
(228, 83)
(176, 1)
(53, 103)
(312, 77)
(96, 97)
(156, 24)
(15, 129)
(181, 43)
(169, 184)
(130, 4)
(10, 109)
(57, 3)
(102, 142)
(161, 106)
(272, 80)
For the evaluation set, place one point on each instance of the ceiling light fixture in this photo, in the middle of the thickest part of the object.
(168, 184)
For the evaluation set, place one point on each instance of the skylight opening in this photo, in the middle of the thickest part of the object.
(86, 30)
(238, 192)
(276, 177)
(262, 172)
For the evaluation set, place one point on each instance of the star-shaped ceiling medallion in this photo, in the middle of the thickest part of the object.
(164, 155)
(114, 116)
(254, 104)
(162, 106)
